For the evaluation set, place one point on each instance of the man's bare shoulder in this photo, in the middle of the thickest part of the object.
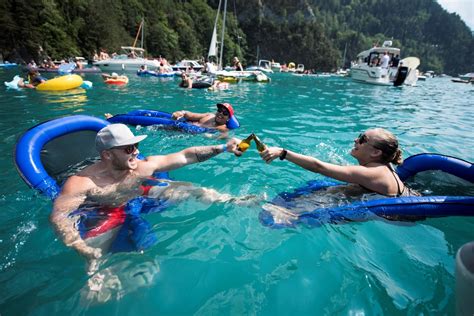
(82, 181)
(78, 183)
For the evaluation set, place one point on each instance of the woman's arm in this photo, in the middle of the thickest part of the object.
(353, 174)
(190, 116)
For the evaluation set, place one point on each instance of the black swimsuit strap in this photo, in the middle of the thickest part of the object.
(399, 192)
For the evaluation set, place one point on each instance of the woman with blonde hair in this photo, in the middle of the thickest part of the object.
(375, 150)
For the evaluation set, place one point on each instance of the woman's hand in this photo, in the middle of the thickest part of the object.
(271, 153)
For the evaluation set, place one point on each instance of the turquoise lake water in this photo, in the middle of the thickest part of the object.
(219, 259)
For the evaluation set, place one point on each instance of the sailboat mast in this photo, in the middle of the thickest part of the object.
(344, 58)
(223, 32)
(143, 28)
(213, 46)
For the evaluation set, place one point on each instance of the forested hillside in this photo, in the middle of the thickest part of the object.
(313, 32)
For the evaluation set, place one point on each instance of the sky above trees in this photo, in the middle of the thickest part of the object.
(464, 8)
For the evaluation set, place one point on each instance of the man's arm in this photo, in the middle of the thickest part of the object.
(190, 116)
(73, 194)
(188, 156)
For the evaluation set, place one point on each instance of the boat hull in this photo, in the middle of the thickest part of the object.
(374, 75)
(125, 65)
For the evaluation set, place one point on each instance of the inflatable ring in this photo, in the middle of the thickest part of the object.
(61, 83)
(152, 117)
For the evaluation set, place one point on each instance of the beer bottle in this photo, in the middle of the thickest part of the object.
(260, 146)
(245, 143)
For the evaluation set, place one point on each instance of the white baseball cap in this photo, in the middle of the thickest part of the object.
(115, 135)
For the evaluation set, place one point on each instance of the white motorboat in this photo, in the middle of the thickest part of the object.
(369, 69)
(131, 58)
(276, 67)
(246, 75)
(187, 64)
(263, 65)
(129, 61)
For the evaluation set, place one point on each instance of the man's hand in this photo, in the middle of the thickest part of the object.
(85, 250)
(232, 146)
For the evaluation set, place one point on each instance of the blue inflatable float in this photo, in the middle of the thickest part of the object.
(413, 207)
(150, 73)
(152, 117)
(45, 156)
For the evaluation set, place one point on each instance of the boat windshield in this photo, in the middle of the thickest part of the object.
(132, 52)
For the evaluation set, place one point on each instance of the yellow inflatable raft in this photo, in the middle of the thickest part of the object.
(61, 83)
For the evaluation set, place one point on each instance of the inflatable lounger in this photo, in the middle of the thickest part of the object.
(46, 152)
(152, 117)
(14, 83)
(401, 207)
(146, 73)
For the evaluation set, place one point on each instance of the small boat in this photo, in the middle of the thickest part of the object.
(459, 80)
(235, 76)
(263, 66)
(469, 76)
(186, 64)
(421, 76)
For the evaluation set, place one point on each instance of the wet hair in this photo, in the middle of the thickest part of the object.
(388, 144)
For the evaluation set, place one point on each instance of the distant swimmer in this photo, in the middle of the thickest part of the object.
(34, 79)
(237, 64)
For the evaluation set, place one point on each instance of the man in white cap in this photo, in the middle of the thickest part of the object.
(116, 178)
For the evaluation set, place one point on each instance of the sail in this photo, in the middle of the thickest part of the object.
(213, 46)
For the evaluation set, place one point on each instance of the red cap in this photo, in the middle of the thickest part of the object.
(228, 107)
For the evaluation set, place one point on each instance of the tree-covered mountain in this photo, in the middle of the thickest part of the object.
(313, 32)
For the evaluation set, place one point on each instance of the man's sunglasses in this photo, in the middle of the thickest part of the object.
(223, 111)
(128, 149)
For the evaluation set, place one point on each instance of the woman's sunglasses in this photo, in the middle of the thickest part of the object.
(223, 111)
(362, 138)
(128, 149)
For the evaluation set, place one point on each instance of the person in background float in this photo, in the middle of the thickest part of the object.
(34, 79)
(186, 81)
(237, 64)
(218, 120)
